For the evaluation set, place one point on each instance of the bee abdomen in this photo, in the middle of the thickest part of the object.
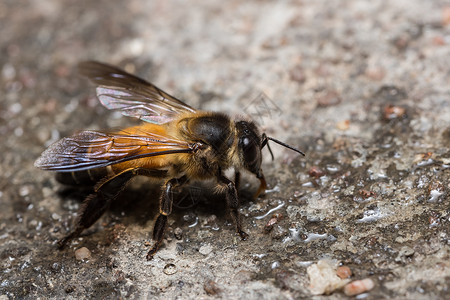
(87, 177)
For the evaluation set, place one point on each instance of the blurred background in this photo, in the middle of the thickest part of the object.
(361, 86)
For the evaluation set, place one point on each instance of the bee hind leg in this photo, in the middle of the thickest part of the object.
(92, 209)
(96, 204)
(165, 209)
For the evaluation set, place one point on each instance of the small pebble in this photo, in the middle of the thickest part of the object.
(394, 112)
(297, 74)
(274, 220)
(375, 73)
(343, 272)
(446, 15)
(343, 125)
(358, 287)
(316, 172)
(178, 233)
(211, 287)
(83, 253)
(328, 99)
(404, 253)
(323, 278)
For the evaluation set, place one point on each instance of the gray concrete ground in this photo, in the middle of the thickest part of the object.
(361, 86)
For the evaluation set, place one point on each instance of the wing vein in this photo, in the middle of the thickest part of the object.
(132, 96)
(93, 149)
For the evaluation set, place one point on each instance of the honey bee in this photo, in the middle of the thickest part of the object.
(175, 143)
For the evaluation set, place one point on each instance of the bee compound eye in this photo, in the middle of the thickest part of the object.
(251, 153)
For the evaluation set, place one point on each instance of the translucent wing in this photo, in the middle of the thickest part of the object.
(132, 96)
(93, 149)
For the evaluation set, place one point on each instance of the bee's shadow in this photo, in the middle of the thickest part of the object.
(138, 203)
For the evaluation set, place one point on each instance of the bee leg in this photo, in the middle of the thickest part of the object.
(233, 204)
(96, 204)
(237, 180)
(165, 209)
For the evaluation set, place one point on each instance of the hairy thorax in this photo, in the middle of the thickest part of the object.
(216, 134)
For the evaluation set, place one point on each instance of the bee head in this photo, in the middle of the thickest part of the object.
(249, 146)
(251, 143)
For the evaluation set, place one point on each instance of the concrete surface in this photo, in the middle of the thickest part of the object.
(361, 86)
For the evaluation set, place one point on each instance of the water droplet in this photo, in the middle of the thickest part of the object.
(371, 215)
(280, 205)
(170, 269)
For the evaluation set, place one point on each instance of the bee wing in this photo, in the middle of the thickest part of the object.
(93, 149)
(132, 96)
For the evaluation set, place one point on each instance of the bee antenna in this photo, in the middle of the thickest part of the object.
(265, 141)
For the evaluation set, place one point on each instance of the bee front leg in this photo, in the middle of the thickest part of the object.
(165, 209)
(233, 203)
